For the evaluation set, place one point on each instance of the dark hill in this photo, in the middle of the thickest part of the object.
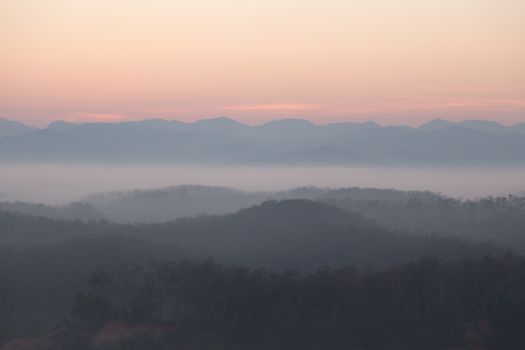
(43, 261)
(297, 234)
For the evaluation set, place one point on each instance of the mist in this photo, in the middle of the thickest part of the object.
(62, 183)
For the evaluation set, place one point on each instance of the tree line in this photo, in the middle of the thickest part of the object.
(476, 303)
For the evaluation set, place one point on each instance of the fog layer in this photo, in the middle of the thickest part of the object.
(54, 183)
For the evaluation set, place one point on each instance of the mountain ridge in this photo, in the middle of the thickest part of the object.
(12, 128)
(290, 141)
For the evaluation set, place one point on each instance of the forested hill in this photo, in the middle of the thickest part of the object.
(169, 203)
(297, 234)
(497, 219)
(74, 211)
(44, 262)
(469, 304)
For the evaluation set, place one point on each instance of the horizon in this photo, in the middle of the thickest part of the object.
(258, 124)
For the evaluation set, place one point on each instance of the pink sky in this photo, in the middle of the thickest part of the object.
(392, 61)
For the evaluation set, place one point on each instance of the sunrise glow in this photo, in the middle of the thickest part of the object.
(393, 61)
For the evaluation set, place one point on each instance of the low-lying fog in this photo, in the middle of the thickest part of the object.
(58, 183)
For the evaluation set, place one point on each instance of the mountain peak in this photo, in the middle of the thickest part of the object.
(221, 120)
(11, 127)
(5, 121)
(436, 124)
(60, 125)
(289, 122)
(219, 125)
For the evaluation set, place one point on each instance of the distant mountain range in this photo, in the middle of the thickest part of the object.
(288, 141)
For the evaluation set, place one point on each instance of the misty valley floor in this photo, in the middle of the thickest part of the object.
(57, 183)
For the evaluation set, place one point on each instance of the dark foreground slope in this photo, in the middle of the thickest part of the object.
(44, 262)
(469, 304)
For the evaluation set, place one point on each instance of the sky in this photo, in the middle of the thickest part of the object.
(392, 61)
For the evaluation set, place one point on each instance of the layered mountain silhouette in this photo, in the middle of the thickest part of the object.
(287, 141)
(165, 204)
(285, 234)
(496, 219)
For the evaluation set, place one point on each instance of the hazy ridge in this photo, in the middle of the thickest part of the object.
(287, 141)
(496, 219)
